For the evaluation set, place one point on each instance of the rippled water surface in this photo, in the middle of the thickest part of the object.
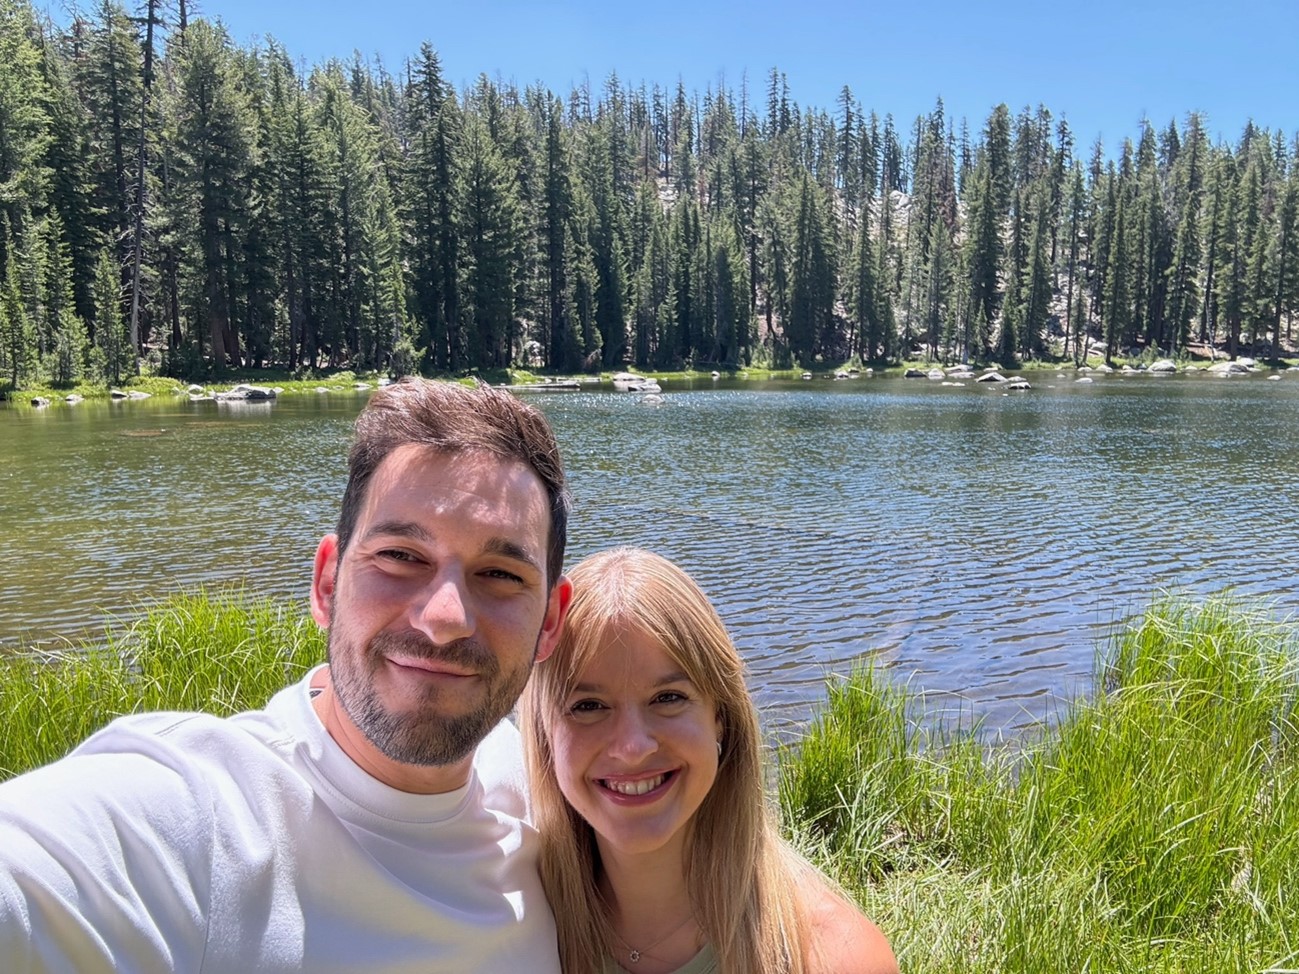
(980, 545)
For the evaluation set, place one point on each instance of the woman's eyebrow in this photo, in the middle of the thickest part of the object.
(677, 676)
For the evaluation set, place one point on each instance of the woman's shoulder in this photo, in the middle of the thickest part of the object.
(840, 938)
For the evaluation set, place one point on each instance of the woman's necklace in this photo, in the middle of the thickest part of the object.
(635, 955)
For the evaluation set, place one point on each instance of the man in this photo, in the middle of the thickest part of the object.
(348, 826)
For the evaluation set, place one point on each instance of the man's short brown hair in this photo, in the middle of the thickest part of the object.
(452, 419)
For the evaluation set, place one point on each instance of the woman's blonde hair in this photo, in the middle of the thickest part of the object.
(741, 876)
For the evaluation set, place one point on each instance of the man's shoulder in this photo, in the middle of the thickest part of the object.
(498, 763)
(189, 734)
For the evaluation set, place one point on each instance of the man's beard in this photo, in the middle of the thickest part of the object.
(425, 736)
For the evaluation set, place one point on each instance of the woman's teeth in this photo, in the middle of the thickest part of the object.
(641, 787)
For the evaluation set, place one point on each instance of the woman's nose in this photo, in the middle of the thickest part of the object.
(633, 739)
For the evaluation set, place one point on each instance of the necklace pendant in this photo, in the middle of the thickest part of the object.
(634, 956)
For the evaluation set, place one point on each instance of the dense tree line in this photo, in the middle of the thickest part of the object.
(167, 194)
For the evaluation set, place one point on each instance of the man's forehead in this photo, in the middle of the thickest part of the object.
(480, 482)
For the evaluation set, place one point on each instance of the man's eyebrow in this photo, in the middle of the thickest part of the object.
(402, 529)
(502, 546)
(512, 550)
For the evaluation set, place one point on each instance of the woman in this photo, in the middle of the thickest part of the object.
(658, 851)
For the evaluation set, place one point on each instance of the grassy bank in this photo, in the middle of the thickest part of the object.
(156, 385)
(1155, 828)
(216, 652)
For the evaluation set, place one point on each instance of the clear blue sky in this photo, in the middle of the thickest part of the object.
(1103, 64)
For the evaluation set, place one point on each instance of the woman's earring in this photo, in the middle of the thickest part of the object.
(719, 749)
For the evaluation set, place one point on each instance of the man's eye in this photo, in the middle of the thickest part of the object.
(397, 554)
(503, 575)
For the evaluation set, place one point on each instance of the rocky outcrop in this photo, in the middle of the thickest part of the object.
(246, 393)
(1237, 367)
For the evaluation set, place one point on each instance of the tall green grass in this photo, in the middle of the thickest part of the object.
(1153, 828)
(217, 652)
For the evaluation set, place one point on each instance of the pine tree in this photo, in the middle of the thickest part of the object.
(983, 252)
(1285, 258)
(564, 349)
(213, 151)
(810, 326)
(430, 207)
(489, 214)
(114, 356)
(863, 298)
(1117, 315)
(1075, 323)
(651, 287)
(111, 80)
(17, 331)
(1183, 295)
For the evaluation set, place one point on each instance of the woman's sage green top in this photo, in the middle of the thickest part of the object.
(704, 962)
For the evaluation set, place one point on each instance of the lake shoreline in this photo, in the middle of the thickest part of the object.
(347, 381)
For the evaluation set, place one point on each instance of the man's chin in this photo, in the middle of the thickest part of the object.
(415, 736)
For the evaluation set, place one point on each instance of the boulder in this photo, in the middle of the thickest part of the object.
(991, 377)
(1163, 366)
(1018, 384)
(246, 393)
(1228, 368)
(40, 402)
(936, 374)
(72, 398)
(914, 374)
(1084, 378)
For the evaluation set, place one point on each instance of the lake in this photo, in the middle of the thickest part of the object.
(980, 545)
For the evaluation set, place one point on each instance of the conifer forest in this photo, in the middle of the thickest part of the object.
(174, 201)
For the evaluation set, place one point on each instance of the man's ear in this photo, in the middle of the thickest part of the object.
(556, 612)
(323, 576)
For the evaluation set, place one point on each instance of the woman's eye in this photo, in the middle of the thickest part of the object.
(671, 697)
(586, 707)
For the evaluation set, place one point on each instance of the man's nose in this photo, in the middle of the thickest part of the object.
(442, 610)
